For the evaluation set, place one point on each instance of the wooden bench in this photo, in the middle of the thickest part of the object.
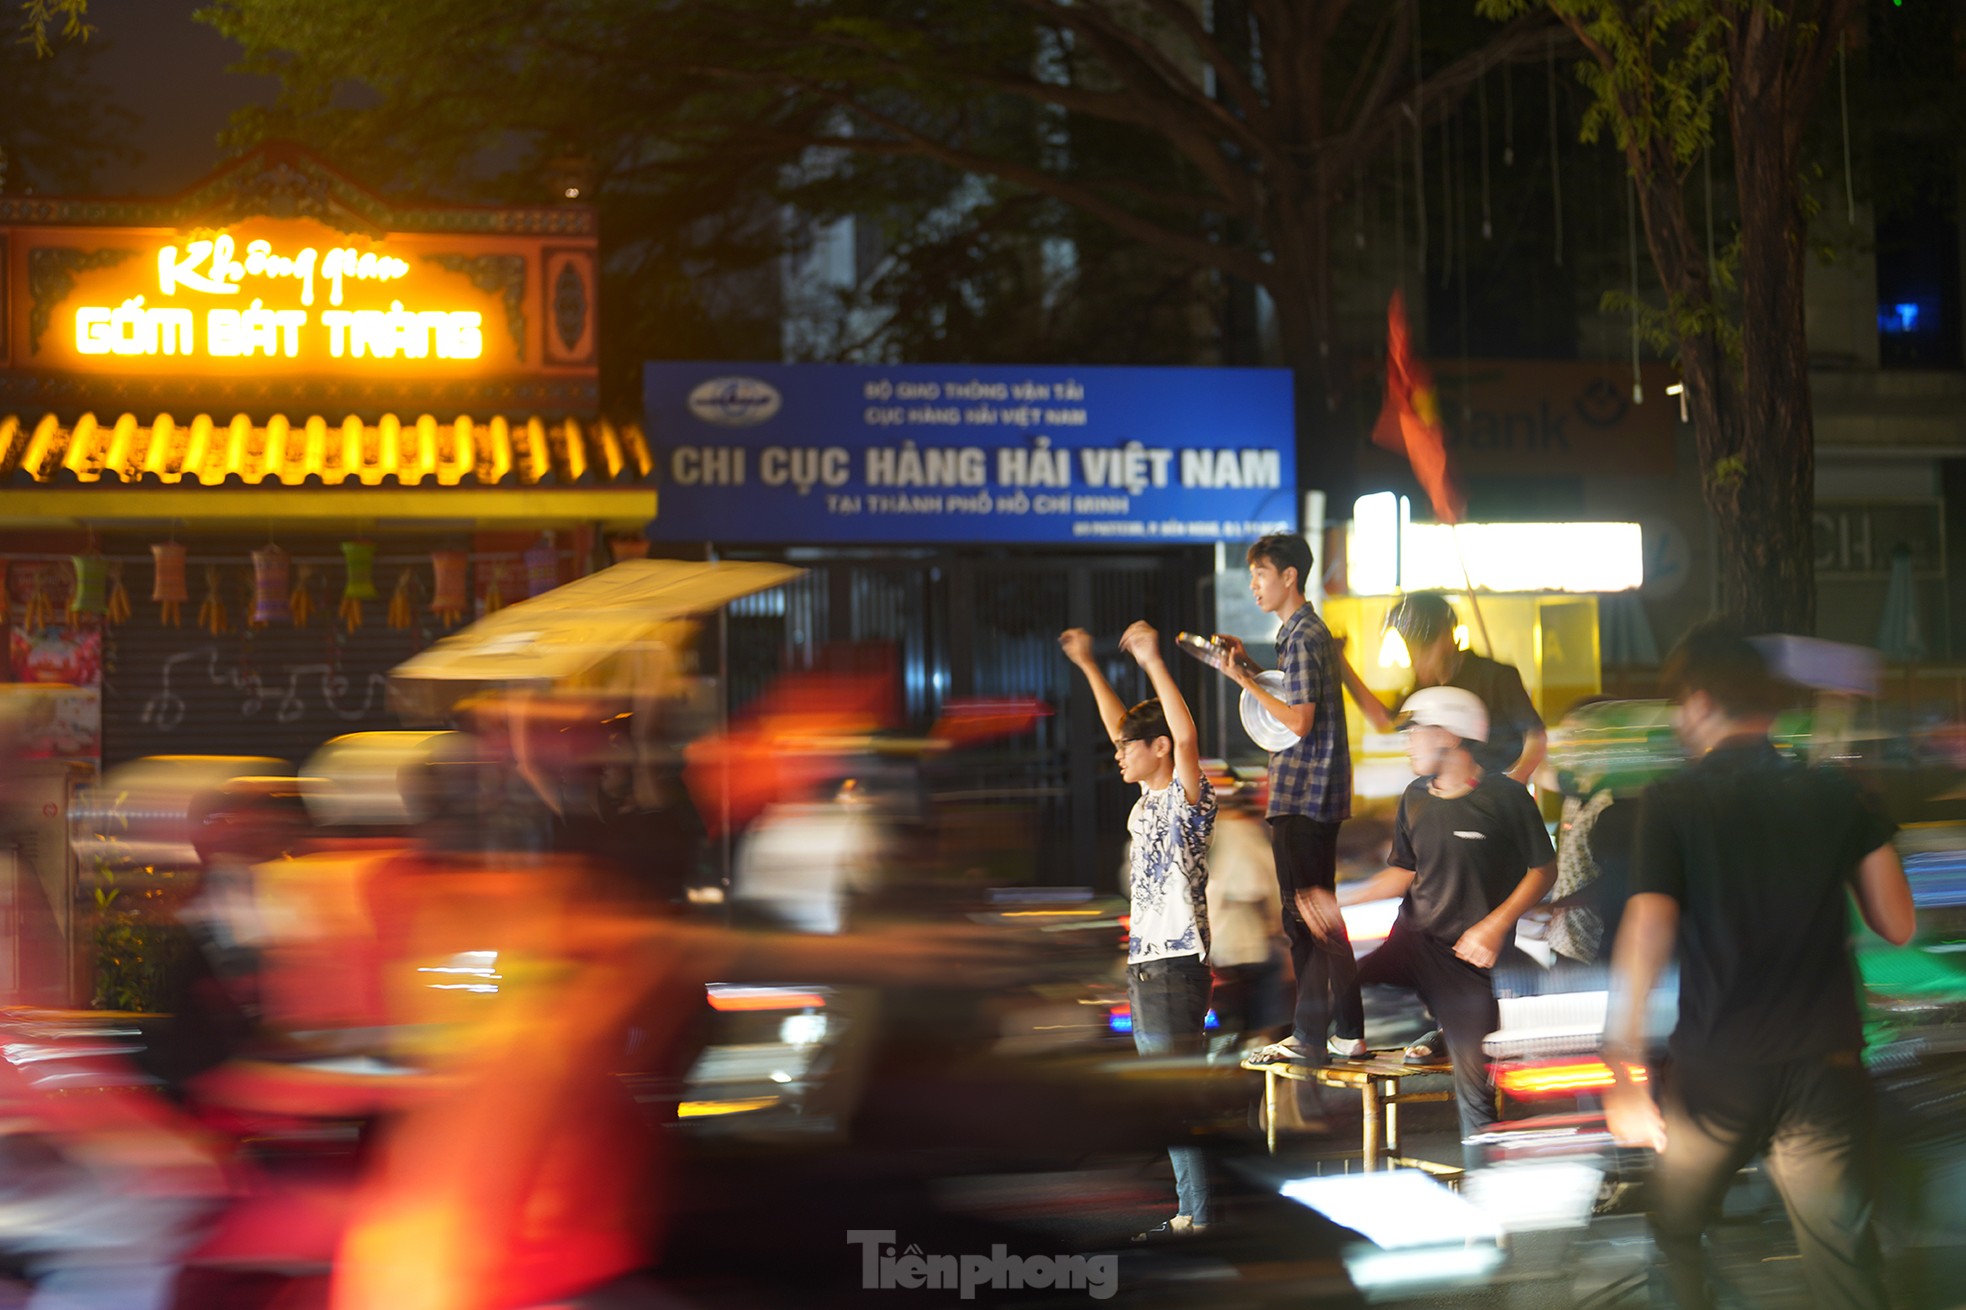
(1377, 1080)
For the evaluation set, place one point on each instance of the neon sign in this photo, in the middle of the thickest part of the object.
(141, 327)
(222, 273)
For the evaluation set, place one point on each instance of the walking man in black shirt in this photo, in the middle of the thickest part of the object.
(1746, 862)
(1425, 622)
(1471, 856)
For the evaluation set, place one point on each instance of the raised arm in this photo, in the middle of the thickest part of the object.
(1143, 643)
(1077, 645)
(1369, 705)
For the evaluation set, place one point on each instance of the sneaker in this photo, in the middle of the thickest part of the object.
(1348, 1048)
(1179, 1226)
(1430, 1049)
(1286, 1051)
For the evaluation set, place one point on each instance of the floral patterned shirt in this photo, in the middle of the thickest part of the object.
(1168, 873)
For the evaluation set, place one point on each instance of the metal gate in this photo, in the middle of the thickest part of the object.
(986, 625)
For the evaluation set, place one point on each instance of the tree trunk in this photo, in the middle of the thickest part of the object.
(1705, 370)
(1767, 540)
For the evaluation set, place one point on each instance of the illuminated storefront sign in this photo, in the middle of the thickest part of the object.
(279, 284)
(141, 326)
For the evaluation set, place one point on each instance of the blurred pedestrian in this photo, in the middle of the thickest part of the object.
(1310, 796)
(1244, 910)
(1745, 865)
(1167, 979)
(1470, 857)
(1425, 621)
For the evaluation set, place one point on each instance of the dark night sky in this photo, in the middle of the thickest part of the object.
(171, 73)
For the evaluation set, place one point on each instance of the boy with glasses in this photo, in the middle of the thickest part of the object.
(1167, 978)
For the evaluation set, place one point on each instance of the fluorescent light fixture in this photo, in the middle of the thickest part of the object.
(1388, 554)
(1372, 554)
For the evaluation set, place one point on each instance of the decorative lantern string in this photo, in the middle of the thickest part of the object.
(272, 572)
(118, 610)
(401, 604)
(300, 601)
(542, 567)
(90, 599)
(359, 559)
(1556, 154)
(450, 593)
(169, 588)
(211, 611)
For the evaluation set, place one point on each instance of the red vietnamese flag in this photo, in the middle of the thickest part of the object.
(1410, 421)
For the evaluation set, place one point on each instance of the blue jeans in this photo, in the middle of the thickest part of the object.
(1169, 999)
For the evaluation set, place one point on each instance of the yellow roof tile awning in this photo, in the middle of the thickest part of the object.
(423, 453)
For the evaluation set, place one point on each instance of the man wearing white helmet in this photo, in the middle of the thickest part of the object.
(1470, 857)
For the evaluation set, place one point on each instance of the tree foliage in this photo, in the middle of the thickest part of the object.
(1177, 152)
(1666, 76)
(42, 19)
(55, 129)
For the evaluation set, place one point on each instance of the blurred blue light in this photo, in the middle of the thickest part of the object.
(1899, 318)
(1120, 1019)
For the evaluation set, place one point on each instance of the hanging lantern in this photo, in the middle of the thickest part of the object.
(271, 571)
(451, 592)
(628, 548)
(170, 589)
(542, 567)
(211, 611)
(402, 604)
(495, 587)
(359, 557)
(119, 595)
(90, 598)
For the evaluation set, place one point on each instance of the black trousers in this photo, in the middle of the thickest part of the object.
(1812, 1119)
(1306, 853)
(1460, 996)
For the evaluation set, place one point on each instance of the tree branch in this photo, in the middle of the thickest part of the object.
(907, 140)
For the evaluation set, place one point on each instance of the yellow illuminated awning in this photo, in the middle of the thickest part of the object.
(423, 453)
(571, 629)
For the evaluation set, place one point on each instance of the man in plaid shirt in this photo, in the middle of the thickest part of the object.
(1310, 795)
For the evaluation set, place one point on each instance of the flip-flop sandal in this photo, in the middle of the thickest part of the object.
(1279, 1053)
(1430, 1049)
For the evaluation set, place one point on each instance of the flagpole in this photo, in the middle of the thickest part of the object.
(1474, 602)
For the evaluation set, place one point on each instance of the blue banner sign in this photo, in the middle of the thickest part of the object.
(821, 453)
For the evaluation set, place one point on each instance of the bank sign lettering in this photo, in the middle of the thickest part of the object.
(815, 453)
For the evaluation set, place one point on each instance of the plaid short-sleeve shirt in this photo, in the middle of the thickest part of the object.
(1314, 777)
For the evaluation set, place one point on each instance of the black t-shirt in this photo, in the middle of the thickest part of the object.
(1467, 852)
(1610, 840)
(1511, 715)
(1759, 852)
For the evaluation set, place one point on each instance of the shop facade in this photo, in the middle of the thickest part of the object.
(263, 440)
(953, 520)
